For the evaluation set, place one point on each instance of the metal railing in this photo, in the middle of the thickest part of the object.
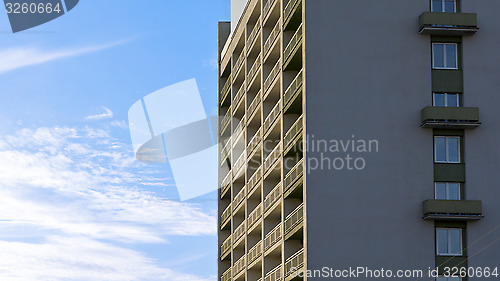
(226, 276)
(294, 219)
(239, 265)
(272, 197)
(274, 275)
(288, 9)
(295, 261)
(272, 157)
(225, 216)
(272, 37)
(254, 69)
(255, 252)
(239, 95)
(254, 105)
(225, 152)
(225, 247)
(238, 233)
(225, 184)
(255, 141)
(226, 120)
(291, 91)
(273, 237)
(292, 176)
(267, 7)
(225, 89)
(272, 76)
(294, 131)
(296, 39)
(238, 165)
(275, 112)
(256, 177)
(240, 129)
(255, 215)
(239, 197)
(239, 62)
(253, 35)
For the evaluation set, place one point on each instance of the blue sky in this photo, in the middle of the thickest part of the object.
(74, 203)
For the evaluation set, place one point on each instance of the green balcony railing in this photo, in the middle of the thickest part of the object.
(238, 233)
(293, 91)
(255, 252)
(272, 197)
(453, 209)
(292, 134)
(272, 38)
(273, 115)
(253, 35)
(296, 261)
(437, 23)
(225, 216)
(272, 157)
(239, 265)
(292, 46)
(273, 237)
(292, 177)
(253, 70)
(255, 215)
(225, 248)
(294, 219)
(450, 117)
(226, 276)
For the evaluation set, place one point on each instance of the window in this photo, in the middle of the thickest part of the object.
(449, 6)
(442, 278)
(447, 191)
(445, 99)
(449, 241)
(444, 56)
(447, 149)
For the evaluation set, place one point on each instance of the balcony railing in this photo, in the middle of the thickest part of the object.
(274, 275)
(240, 163)
(287, 12)
(436, 23)
(254, 105)
(254, 142)
(293, 176)
(253, 35)
(255, 215)
(226, 276)
(255, 252)
(272, 197)
(225, 90)
(293, 90)
(226, 120)
(239, 198)
(253, 71)
(254, 180)
(272, 76)
(450, 117)
(273, 237)
(225, 216)
(225, 184)
(292, 134)
(296, 261)
(267, 7)
(453, 209)
(272, 37)
(273, 157)
(238, 233)
(275, 112)
(239, 265)
(237, 65)
(292, 45)
(294, 219)
(225, 248)
(225, 152)
(239, 96)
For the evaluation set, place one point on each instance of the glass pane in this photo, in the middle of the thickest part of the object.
(438, 55)
(440, 149)
(442, 241)
(451, 56)
(453, 191)
(455, 241)
(453, 150)
(439, 100)
(449, 6)
(440, 191)
(452, 100)
(437, 6)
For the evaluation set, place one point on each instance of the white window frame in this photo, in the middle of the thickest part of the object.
(448, 190)
(444, 56)
(443, 6)
(447, 150)
(448, 246)
(445, 98)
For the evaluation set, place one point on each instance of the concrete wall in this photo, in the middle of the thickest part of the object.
(368, 73)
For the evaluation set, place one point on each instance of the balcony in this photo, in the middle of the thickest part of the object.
(225, 152)
(273, 115)
(225, 185)
(239, 96)
(254, 105)
(292, 47)
(271, 39)
(272, 197)
(292, 92)
(239, 62)
(255, 252)
(267, 8)
(274, 275)
(225, 217)
(225, 248)
(255, 215)
(253, 70)
(294, 221)
(453, 210)
(239, 198)
(226, 276)
(254, 180)
(239, 164)
(450, 117)
(226, 120)
(239, 265)
(272, 77)
(238, 233)
(254, 142)
(290, 9)
(296, 261)
(226, 89)
(293, 179)
(272, 158)
(272, 237)
(448, 24)
(293, 135)
(253, 35)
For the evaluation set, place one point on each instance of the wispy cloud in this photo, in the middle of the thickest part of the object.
(107, 114)
(15, 58)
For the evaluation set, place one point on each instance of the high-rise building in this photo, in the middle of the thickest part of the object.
(350, 136)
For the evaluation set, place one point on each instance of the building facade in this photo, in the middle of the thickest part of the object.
(359, 133)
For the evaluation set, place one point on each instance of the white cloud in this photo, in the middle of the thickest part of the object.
(15, 58)
(107, 114)
(119, 123)
(77, 192)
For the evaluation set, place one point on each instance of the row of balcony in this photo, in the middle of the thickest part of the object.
(294, 134)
